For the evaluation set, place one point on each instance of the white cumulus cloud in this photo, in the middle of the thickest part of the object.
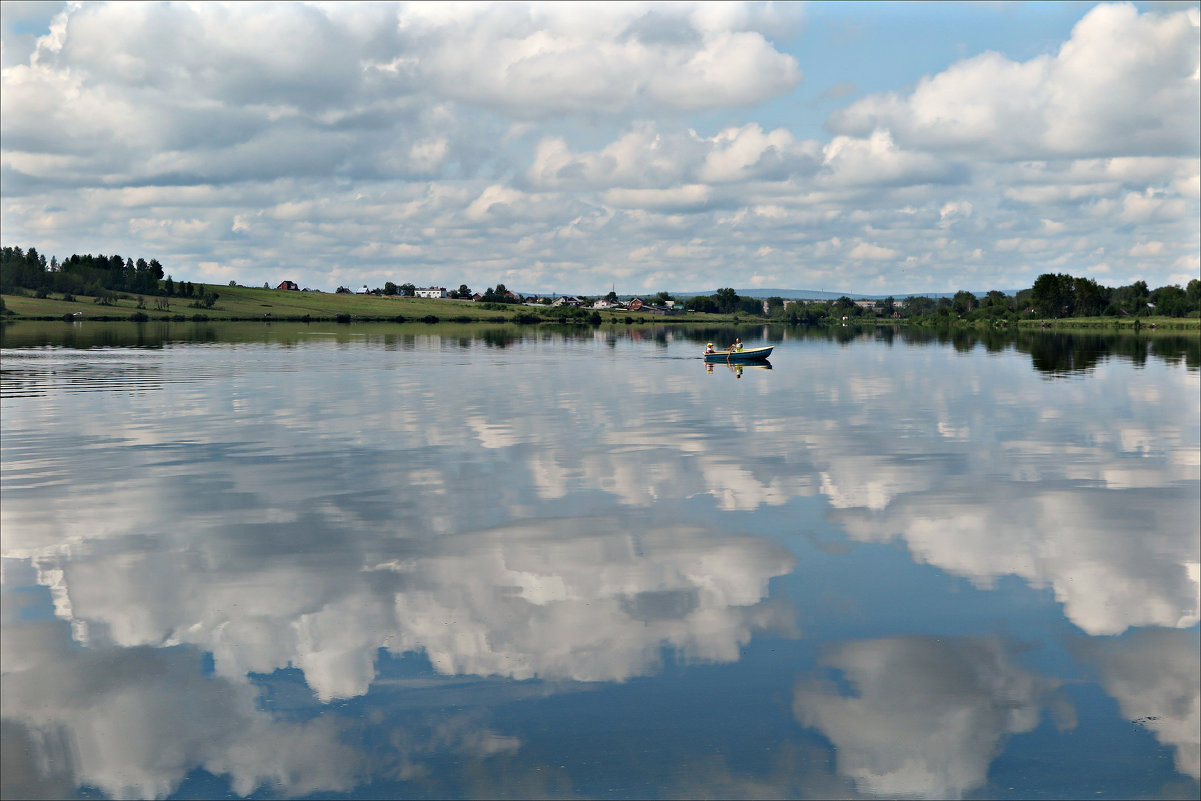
(1124, 84)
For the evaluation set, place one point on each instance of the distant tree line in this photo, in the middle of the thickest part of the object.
(499, 294)
(1059, 295)
(724, 301)
(1054, 295)
(77, 274)
(409, 290)
(100, 277)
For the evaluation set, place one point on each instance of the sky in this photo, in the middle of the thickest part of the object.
(576, 147)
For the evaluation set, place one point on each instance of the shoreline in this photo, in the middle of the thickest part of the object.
(246, 304)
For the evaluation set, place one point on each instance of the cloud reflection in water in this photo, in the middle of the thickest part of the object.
(924, 716)
(307, 517)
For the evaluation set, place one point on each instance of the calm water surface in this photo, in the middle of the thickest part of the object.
(428, 562)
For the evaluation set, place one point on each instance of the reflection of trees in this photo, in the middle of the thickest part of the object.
(723, 335)
(1055, 353)
(920, 336)
(1063, 353)
(1058, 354)
(962, 340)
(994, 340)
(1175, 349)
(845, 334)
(499, 337)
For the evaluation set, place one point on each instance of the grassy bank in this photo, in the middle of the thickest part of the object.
(1116, 324)
(1095, 324)
(248, 303)
(254, 304)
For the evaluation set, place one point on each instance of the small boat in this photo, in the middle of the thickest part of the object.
(744, 355)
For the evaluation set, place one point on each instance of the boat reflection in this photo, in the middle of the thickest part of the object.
(737, 369)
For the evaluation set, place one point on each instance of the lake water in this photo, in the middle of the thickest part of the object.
(434, 562)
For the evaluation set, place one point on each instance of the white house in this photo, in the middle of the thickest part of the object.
(432, 292)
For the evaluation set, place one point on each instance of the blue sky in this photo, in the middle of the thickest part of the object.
(857, 147)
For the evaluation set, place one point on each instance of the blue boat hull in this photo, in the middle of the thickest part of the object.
(746, 355)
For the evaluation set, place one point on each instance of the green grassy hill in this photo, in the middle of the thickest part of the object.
(249, 303)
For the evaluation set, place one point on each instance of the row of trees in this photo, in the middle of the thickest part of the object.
(100, 277)
(1052, 296)
(724, 301)
(407, 290)
(1060, 295)
(84, 275)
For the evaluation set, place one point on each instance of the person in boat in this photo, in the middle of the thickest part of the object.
(709, 348)
(737, 346)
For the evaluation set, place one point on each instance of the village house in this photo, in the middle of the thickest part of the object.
(432, 292)
(567, 300)
(289, 285)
